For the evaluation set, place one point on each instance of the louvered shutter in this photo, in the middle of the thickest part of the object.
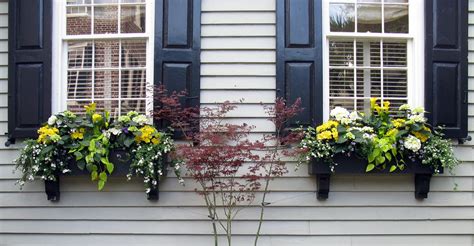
(446, 65)
(29, 72)
(299, 57)
(177, 47)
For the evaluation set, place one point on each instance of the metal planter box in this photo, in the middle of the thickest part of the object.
(354, 165)
(120, 159)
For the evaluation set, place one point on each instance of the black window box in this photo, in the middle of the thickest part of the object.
(354, 165)
(120, 159)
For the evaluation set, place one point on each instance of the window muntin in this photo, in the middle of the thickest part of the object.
(106, 44)
(368, 52)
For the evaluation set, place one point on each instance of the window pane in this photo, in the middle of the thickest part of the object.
(105, 19)
(368, 54)
(134, 53)
(395, 83)
(345, 103)
(341, 17)
(78, 20)
(395, 54)
(396, 18)
(341, 82)
(368, 83)
(79, 84)
(105, 1)
(134, 105)
(106, 84)
(341, 53)
(80, 54)
(133, 84)
(110, 105)
(107, 54)
(132, 19)
(77, 106)
(369, 18)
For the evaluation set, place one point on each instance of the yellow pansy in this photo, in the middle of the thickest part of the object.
(147, 133)
(90, 107)
(47, 131)
(373, 102)
(78, 134)
(96, 118)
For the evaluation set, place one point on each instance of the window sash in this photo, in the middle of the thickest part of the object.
(60, 52)
(415, 50)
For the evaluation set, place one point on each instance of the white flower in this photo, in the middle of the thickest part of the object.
(354, 116)
(339, 113)
(115, 131)
(52, 119)
(140, 119)
(418, 110)
(412, 143)
(404, 107)
(417, 118)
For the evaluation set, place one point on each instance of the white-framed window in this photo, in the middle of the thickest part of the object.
(103, 53)
(373, 48)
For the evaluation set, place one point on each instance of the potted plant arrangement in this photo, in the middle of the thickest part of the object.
(385, 140)
(69, 144)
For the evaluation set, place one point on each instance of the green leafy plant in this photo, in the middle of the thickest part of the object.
(88, 141)
(92, 149)
(385, 137)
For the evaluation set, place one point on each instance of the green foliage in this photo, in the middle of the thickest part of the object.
(88, 142)
(385, 137)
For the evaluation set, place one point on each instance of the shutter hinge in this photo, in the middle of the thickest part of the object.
(10, 140)
(466, 95)
(464, 140)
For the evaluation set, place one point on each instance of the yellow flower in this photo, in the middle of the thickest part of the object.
(46, 132)
(326, 135)
(155, 141)
(147, 133)
(422, 137)
(90, 107)
(96, 118)
(326, 126)
(398, 123)
(392, 132)
(335, 133)
(386, 105)
(79, 134)
(373, 102)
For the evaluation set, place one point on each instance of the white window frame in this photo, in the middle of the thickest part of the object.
(60, 52)
(415, 50)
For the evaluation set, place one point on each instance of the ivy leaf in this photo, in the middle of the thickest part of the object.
(78, 155)
(341, 139)
(103, 176)
(94, 175)
(100, 184)
(388, 156)
(393, 168)
(369, 168)
(81, 164)
(380, 159)
(371, 157)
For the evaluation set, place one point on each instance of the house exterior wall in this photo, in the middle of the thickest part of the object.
(238, 61)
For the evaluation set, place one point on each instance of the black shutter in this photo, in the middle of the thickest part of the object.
(29, 71)
(447, 65)
(177, 47)
(299, 57)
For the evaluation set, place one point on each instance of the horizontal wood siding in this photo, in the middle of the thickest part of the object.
(238, 62)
